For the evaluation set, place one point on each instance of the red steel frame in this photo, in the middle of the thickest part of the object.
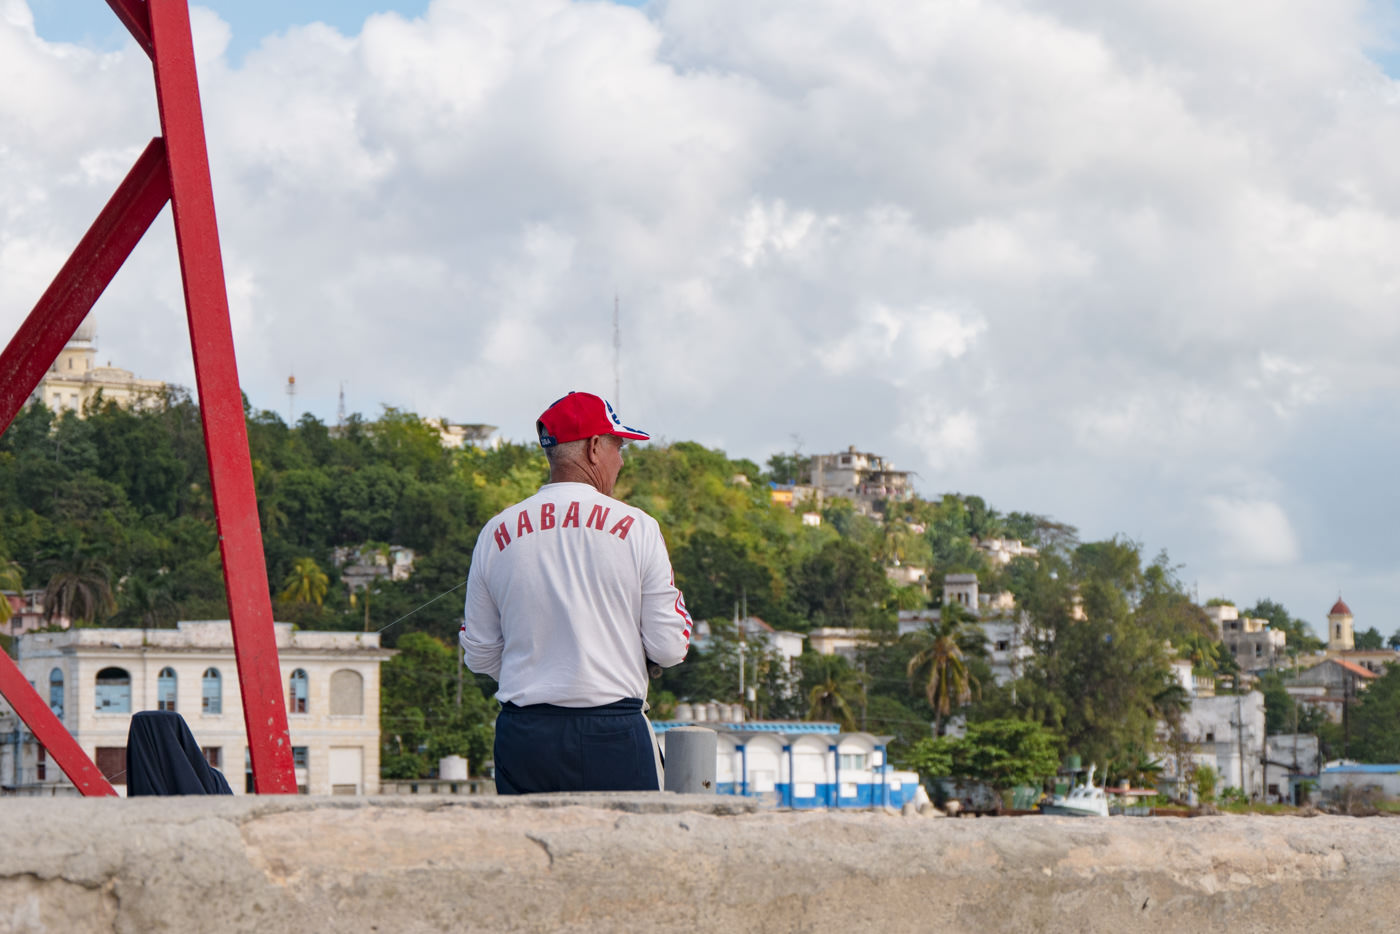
(174, 167)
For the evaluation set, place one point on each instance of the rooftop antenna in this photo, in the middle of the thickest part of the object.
(617, 354)
(340, 407)
(291, 398)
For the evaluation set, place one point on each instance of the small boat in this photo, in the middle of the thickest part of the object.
(1086, 800)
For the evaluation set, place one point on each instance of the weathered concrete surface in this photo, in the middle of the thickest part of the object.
(667, 863)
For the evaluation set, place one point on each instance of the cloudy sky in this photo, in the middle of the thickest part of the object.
(1135, 266)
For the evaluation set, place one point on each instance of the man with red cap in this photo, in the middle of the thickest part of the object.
(570, 595)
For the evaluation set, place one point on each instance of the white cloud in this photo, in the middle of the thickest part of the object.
(1124, 246)
(943, 436)
(897, 343)
(1252, 532)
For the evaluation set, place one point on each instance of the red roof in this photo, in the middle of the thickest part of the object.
(1355, 668)
(1340, 608)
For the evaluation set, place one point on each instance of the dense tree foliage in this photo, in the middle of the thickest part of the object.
(111, 514)
(1004, 753)
(430, 709)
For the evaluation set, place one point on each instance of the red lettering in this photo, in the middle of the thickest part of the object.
(599, 514)
(522, 524)
(546, 516)
(570, 517)
(623, 526)
(502, 537)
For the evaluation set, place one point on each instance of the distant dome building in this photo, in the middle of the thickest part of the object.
(1340, 634)
(74, 379)
(87, 332)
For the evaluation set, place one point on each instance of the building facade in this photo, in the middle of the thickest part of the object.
(1381, 778)
(1330, 685)
(864, 478)
(1252, 644)
(95, 679)
(27, 613)
(1341, 628)
(1293, 761)
(804, 765)
(1224, 732)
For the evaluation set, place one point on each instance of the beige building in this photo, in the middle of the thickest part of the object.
(75, 378)
(840, 640)
(865, 479)
(454, 435)
(94, 679)
(1251, 642)
(1341, 628)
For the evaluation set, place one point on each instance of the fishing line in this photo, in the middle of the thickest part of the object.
(416, 609)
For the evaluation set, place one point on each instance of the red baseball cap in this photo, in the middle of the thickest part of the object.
(582, 415)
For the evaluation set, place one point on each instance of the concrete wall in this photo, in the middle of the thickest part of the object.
(600, 863)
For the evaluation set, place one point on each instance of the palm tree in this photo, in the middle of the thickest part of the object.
(1204, 653)
(79, 587)
(941, 666)
(306, 583)
(11, 579)
(838, 687)
(150, 601)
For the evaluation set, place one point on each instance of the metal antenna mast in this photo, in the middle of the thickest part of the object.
(340, 407)
(617, 354)
(291, 399)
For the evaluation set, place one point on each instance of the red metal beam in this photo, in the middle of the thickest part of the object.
(96, 259)
(48, 729)
(134, 17)
(220, 399)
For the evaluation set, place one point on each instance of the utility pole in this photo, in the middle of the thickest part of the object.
(1239, 740)
(1347, 686)
(743, 647)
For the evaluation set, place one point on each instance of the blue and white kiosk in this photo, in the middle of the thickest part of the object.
(796, 764)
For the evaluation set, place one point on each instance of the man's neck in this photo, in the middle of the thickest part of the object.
(573, 473)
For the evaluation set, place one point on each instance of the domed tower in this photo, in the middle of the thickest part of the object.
(87, 331)
(76, 358)
(1339, 628)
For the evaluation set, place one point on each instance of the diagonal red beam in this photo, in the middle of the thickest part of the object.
(135, 18)
(48, 729)
(220, 399)
(96, 259)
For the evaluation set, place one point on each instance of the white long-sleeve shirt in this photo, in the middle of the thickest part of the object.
(570, 592)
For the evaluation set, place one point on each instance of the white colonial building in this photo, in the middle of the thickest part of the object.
(803, 765)
(95, 679)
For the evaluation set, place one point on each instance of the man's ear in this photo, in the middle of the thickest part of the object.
(595, 449)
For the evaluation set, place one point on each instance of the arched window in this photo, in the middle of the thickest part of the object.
(347, 694)
(113, 691)
(296, 696)
(212, 692)
(56, 692)
(165, 689)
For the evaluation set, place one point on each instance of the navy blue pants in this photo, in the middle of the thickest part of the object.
(547, 748)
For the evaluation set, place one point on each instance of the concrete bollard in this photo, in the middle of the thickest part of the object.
(690, 760)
